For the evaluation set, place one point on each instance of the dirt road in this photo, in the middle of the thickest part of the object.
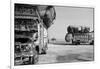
(67, 53)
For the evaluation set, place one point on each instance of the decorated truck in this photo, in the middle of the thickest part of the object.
(30, 29)
(26, 25)
(79, 35)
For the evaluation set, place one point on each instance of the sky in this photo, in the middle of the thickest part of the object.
(66, 16)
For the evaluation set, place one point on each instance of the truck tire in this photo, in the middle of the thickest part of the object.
(92, 43)
(78, 43)
(37, 49)
(31, 60)
(43, 51)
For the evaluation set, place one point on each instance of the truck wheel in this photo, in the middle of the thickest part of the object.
(75, 43)
(92, 43)
(43, 51)
(31, 60)
(78, 43)
(37, 49)
(34, 59)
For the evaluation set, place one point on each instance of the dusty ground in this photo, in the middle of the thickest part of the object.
(67, 53)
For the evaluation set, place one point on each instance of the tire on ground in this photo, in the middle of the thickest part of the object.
(43, 51)
(37, 49)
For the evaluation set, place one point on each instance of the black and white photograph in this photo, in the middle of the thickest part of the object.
(48, 34)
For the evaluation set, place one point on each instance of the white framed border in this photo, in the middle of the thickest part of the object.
(12, 32)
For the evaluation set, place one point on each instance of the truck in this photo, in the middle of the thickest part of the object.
(30, 26)
(25, 26)
(79, 35)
